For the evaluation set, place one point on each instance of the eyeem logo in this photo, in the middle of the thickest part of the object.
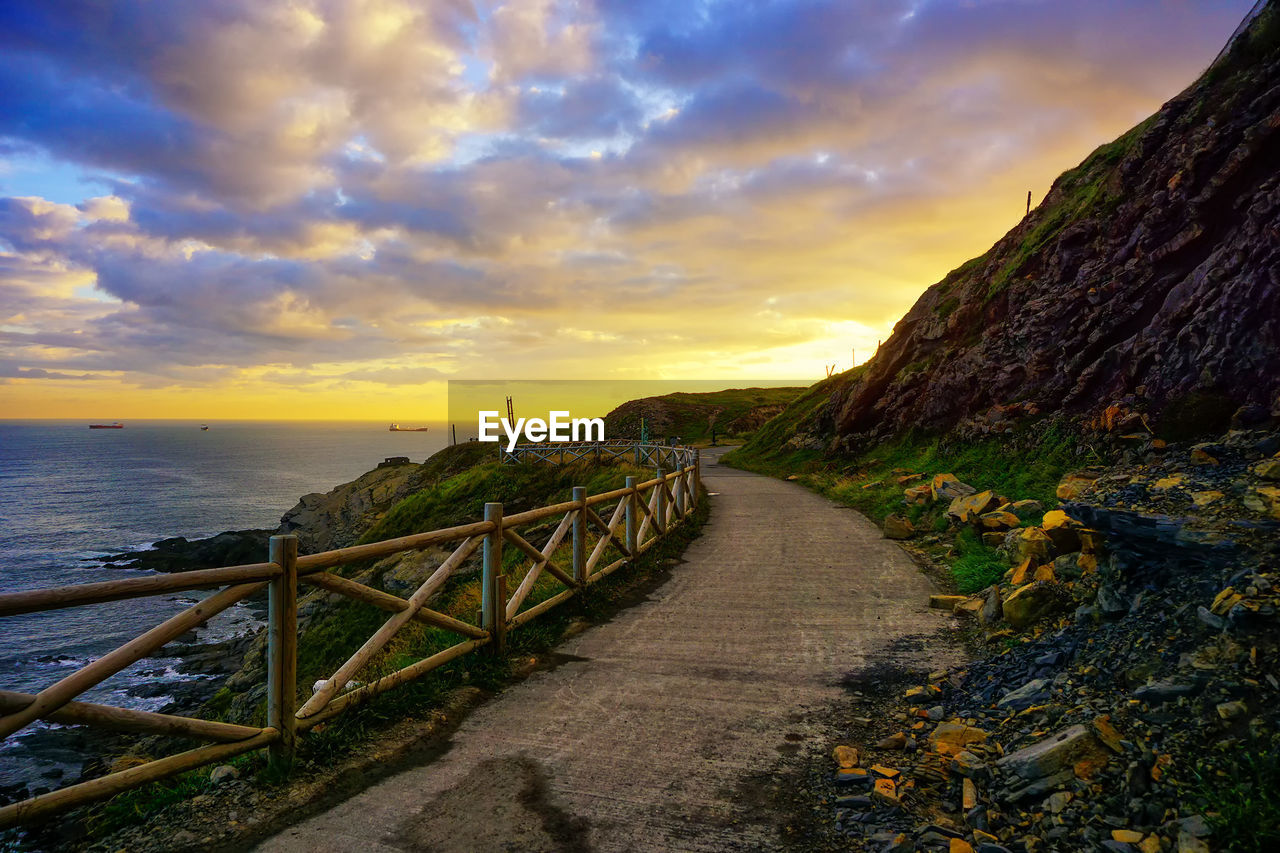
(559, 427)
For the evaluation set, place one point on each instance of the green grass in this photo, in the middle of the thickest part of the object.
(460, 498)
(735, 412)
(1028, 464)
(1090, 189)
(331, 638)
(131, 806)
(768, 451)
(975, 566)
(1240, 795)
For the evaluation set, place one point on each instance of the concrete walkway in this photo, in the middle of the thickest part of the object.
(644, 741)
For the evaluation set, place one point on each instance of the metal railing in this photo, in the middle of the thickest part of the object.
(638, 515)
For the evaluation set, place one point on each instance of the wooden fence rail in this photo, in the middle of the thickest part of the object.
(637, 516)
(641, 454)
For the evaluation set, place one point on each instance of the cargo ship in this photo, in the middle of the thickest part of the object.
(116, 425)
(398, 428)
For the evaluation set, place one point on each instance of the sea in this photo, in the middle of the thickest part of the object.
(70, 495)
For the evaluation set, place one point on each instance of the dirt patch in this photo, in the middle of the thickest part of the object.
(518, 814)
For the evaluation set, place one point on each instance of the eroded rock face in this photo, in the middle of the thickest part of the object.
(1147, 278)
(338, 517)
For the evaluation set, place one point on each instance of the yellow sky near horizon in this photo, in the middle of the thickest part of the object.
(326, 209)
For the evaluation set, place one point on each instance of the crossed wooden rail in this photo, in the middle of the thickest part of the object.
(641, 514)
(641, 454)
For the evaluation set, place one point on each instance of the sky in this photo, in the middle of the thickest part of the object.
(326, 209)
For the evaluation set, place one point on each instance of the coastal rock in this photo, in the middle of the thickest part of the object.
(999, 520)
(1029, 603)
(1149, 311)
(338, 517)
(179, 554)
(223, 773)
(920, 495)
(966, 508)
(1265, 500)
(1054, 754)
(1031, 543)
(951, 738)
(898, 527)
(992, 607)
(1032, 693)
(401, 574)
(946, 487)
(1268, 469)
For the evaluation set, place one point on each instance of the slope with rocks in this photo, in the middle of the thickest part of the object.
(1125, 619)
(1147, 281)
(1127, 698)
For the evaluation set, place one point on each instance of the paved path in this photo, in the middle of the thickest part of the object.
(646, 742)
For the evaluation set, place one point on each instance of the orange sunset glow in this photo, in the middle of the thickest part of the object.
(324, 209)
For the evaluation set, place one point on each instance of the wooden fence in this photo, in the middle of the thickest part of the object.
(643, 455)
(638, 515)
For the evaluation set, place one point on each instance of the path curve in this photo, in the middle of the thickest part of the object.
(643, 740)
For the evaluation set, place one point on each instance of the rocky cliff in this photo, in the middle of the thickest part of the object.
(1145, 285)
(338, 517)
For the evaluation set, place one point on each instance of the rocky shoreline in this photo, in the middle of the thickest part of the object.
(321, 521)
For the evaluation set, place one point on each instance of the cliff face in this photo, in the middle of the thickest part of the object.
(1145, 285)
(342, 515)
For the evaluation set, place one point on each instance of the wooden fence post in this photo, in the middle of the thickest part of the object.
(681, 500)
(580, 535)
(631, 499)
(493, 606)
(282, 649)
(697, 475)
(661, 505)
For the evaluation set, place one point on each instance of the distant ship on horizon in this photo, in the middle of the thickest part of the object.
(398, 428)
(116, 425)
(204, 427)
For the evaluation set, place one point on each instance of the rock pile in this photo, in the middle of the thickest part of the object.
(1132, 681)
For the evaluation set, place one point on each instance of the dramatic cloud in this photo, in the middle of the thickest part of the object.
(287, 206)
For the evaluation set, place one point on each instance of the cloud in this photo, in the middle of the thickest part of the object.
(594, 107)
(325, 194)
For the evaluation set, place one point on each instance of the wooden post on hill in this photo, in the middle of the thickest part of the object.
(697, 475)
(580, 535)
(493, 609)
(680, 490)
(282, 649)
(660, 520)
(631, 499)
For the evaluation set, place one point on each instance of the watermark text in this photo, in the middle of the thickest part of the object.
(557, 427)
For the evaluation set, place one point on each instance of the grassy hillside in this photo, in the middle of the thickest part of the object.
(467, 477)
(784, 445)
(1024, 465)
(734, 413)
